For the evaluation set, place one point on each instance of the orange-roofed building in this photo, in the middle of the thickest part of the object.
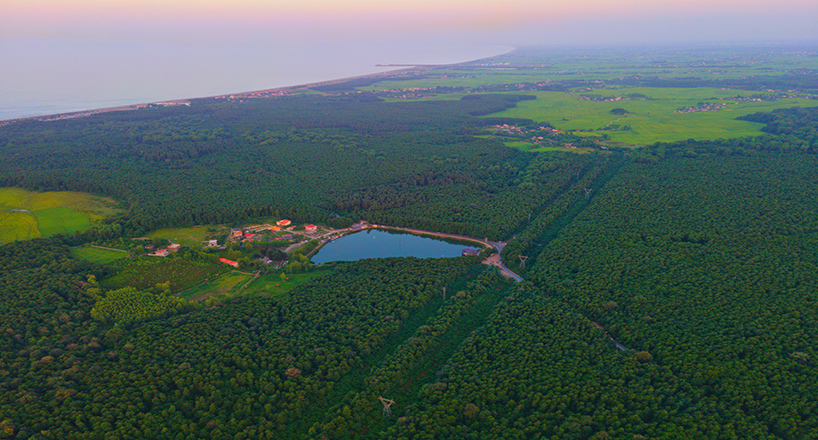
(229, 262)
(284, 222)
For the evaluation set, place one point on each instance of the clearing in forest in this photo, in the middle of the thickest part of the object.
(26, 214)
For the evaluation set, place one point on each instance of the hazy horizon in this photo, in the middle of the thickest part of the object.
(62, 55)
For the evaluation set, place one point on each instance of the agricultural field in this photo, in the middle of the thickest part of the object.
(652, 115)
(190, 237)
(571, 88)
(26, 214)
(234, 283)
(146, 272)
(97, 254)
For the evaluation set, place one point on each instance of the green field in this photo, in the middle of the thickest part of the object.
(146, 272)
(25, 214)
(652, 119)
(231, 284)
(190, 237)
(97, 255)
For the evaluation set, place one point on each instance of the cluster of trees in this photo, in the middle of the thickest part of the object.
(128, 304)
(248, 369)
(404, 371)
(217, 162)
(707, 264)
(699, 257)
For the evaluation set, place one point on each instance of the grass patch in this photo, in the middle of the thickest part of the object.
(234, 283)
(190, 237)
(53, 221)
(17, 225)
(146, 272)
(653, 119)
(26, 214)
(97, 255)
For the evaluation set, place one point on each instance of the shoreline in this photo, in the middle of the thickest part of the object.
(254, 94)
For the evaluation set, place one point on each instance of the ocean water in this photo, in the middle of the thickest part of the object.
(41, 76)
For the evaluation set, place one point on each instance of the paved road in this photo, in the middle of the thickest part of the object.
(497, 261)
(495, 244)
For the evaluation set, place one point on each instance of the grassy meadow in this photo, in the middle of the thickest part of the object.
(26, 214)
(233, 283)
(97, 255)
(652, 119)
(190, 237)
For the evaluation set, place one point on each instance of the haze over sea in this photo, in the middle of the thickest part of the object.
(44, 75)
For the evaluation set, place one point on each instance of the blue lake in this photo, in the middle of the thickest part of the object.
(374, 243)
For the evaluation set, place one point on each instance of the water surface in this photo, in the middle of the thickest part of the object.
(375, 243)
(42, 75)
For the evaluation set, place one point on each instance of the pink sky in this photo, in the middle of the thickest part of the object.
(510, 21)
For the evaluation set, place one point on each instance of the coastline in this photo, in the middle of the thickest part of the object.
(254, 94)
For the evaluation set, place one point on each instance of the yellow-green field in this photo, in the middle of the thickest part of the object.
(97, 255)
(653, 119)
(190, 237)
(231, 283)
(25, 214)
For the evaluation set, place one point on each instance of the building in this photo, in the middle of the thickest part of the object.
(212, 243)
(284, 222)
(173, 247)
(160, 253)
(229, 262)
(236, 232)
(310, 228)
(275, 228)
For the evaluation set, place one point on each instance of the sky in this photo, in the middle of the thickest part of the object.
(61, 55)
(495, 21)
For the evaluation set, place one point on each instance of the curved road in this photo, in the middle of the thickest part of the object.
(495, 244)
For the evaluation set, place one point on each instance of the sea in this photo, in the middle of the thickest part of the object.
(46, 75)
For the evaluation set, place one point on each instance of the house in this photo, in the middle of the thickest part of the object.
(173, 247)
(275, 228)
(236, 232)
(212, 243)
(160, 253)
(284, 222)
(229, 262)
(311, 228)
(469, 252)
(287, 236)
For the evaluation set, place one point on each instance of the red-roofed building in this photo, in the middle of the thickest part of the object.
(229, 262)
(311, 228)
(284, 222)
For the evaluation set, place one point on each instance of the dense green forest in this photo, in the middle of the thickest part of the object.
(670, 291)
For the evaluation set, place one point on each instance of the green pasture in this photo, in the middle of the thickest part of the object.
(146, 272)
(231, 283)
(53, 221)
(653, 119)
(227, 283)
(97, 255)
(190, 237)
(26, 214)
